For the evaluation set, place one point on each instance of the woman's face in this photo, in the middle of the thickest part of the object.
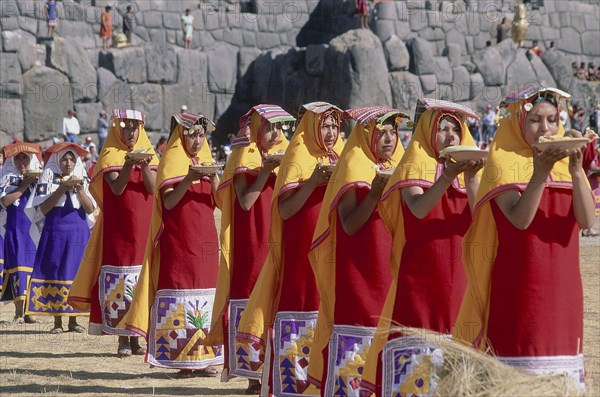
(67, 163)
(329, 131)
(541, 120)
(448, 133)
(386, 143)
(22, 161)
(194, 141)
(271, 136)
(130, 132)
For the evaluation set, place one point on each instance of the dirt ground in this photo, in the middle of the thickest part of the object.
(34, 361)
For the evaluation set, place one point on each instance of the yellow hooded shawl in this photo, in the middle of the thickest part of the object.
(305, 152)
(173, 167)
(420, 166)
(112, 158)
(355, 169)
(509, 167)
(246, 157)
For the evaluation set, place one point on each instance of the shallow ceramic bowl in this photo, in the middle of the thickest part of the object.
(207, 169)
(568, 144)
(140, 156)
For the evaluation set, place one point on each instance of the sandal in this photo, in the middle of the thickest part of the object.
(209, 372)
(138, 350)
(184, 374)
(76, 328)
(18, 319)
(254, 389)
(124, 350)
(56, 330)
(30, 320)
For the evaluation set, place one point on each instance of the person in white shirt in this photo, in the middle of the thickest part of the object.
(71, 127)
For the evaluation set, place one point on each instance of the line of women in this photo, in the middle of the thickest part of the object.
(324, 247)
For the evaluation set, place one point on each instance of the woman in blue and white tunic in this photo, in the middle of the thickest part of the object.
(63, 197)
(19, 175)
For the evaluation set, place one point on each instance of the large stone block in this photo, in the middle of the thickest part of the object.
(11, 81)
(421, 56)
(128, 64)
(520, 73)
(10, 23)
(233, 36)
(11, 117)
(48, 89)
(87, 114)
(453, 52)
(153, 19)
(591, 43)
(161, 63)
(461, 84)
(81, 72)
(267, 40)
(543, 74)
(406, 89)
(56, 55)
(171, 20)
(386, 10)
(417, 19)
(396, 54)
(106, 79)
(489, 64)
(157, 35)
(592, 21)
(456, 37)
(315, 59)
(443, 70)
(148, 99)
(119, 95)
(477, 85)
(429, 83)
(570, 41)
(361, 72)
(82, 31)
(23, 44)
(29, 24)
(383, 29)
(559, 66)
(222, 68)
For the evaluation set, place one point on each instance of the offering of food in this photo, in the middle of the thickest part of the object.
(70, 180)
(386, 171)
(326, 167)
(207, 168)
(35, 173)
(141, 154)
(463, 153)
(566, 142)
(275, 156)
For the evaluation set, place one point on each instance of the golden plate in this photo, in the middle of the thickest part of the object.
(568, 144)
(140, 155)
(274, 156)
(207, 169)
(464, 153)
(387, 171)
(32, 172)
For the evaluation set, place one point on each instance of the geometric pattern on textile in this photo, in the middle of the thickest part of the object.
(294, 333)
(245, 359)
(116, 284)
(179, 322)
(409, 367)
(49, 297)
(348, 350)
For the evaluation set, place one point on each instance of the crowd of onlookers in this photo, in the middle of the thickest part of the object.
(583, 71)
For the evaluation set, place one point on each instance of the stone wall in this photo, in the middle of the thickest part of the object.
(288, 52)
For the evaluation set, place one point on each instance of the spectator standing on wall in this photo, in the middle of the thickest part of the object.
(51, 16)
(187, 24)
(71, 126)
(106, 28)
(129, 23)
(102, 125)
(502, 30)
(362, 9)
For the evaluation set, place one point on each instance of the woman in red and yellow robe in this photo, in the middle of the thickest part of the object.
(244, 196)
(350, 251)
(524, 297)
(123, 188)
(426, 207)
(174, 296)
(282, 310)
